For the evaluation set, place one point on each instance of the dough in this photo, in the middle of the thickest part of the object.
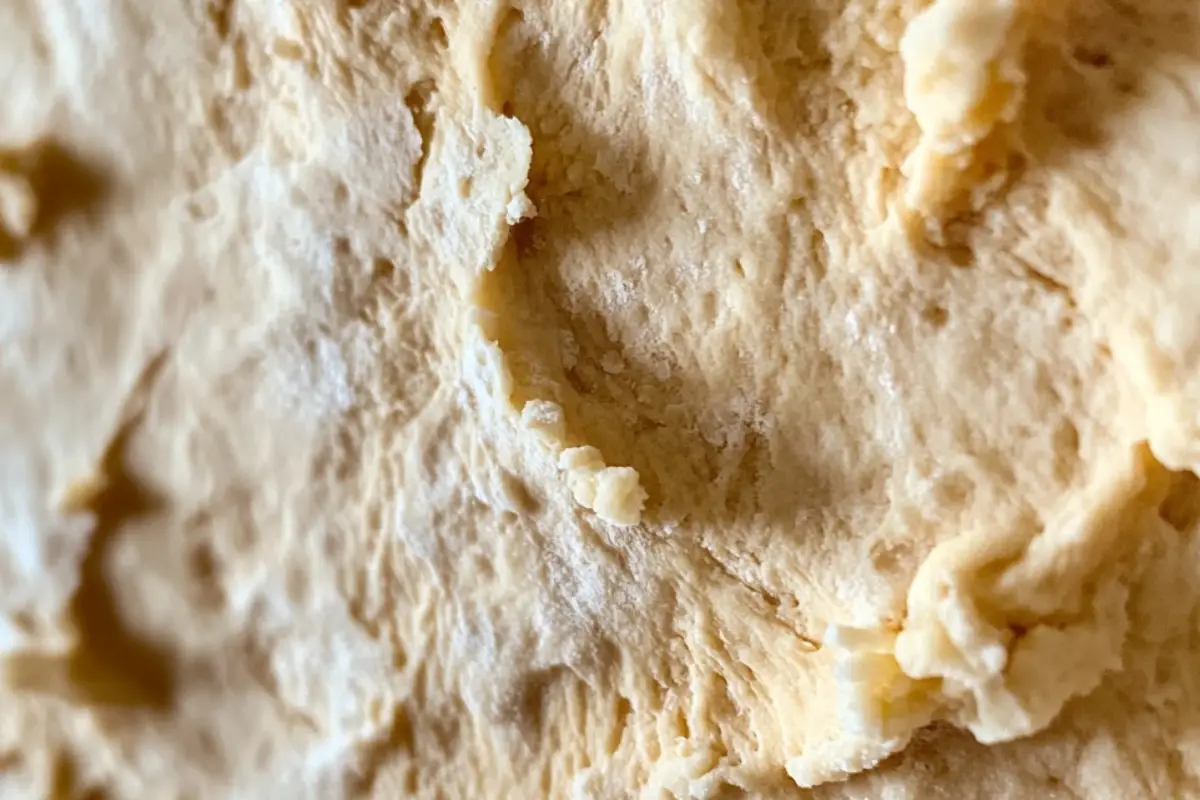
(599, 399)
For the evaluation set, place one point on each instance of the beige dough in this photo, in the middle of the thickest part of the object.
(562, 398)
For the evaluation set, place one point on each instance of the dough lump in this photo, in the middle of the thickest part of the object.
(701, 399)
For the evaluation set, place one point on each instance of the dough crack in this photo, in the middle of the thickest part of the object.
(109, 664)
(478, 190)
(40, 184)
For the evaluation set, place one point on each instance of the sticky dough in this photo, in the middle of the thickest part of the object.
(569, 399)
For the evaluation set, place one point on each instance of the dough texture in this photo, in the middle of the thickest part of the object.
(566, 398)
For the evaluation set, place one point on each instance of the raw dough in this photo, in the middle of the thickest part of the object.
(599, 399)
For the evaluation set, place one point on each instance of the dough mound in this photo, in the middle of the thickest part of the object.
(563, 398)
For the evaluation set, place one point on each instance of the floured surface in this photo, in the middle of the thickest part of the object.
(698, 399)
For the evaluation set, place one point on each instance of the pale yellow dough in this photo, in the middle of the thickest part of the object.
(562, 398)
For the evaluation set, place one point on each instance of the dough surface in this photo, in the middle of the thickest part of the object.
(566, 398)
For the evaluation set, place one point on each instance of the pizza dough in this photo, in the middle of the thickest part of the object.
(599, 399)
